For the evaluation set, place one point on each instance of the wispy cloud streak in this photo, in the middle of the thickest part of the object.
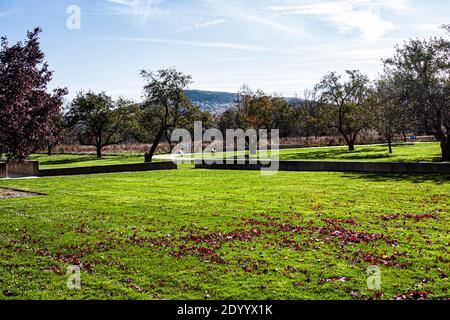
(139, 8)
(221, 45)
(348, 15)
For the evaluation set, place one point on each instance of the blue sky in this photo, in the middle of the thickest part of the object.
(282, 46)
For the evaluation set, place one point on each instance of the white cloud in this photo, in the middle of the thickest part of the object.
(126, 2)
(209, 23)
(222, 45)
(252, 11)
(401, 5)
(363, 16)
(279, 26)
(204, 25)
(140, 8)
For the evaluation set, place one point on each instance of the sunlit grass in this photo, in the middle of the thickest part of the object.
(226, 234)
(419, 152)
(68, 160)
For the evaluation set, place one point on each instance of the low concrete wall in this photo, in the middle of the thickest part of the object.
(14, 169)
(366, 167)
(2, 170)
(132, 167)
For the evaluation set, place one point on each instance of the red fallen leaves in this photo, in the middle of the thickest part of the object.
(55, 268)
(413, 295)
(335, 221)
(287, 227)
(348, 236)
(69, 258)
(290, 243)
(389, 261)
(416, 217)
(213, 242)
(218, 237)
(376, 296)
(442, 274)
(326, 280)
(73, 258)
(353, 293)
(334, 229)
(140, 240)
(359, 256)
(206, 245)
(250, 265)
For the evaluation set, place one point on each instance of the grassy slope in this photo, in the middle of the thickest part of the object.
(127, 230)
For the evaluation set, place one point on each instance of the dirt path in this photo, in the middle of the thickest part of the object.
(12, 193)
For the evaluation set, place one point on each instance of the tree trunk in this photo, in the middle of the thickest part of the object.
(99, 151)
(351, 146)
(390, 144)
(349, 139)
(49, 149)
(445, 148)
(350, 143)
(149, 156)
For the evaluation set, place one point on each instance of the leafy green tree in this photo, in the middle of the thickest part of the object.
(98, 120)
(421, 70)
(344, 104)
(389, 117)
(259, 110)
(308, 115)
(165, 108)
(227, 119)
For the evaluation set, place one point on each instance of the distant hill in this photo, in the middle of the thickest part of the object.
(216, 101)
(213, 101)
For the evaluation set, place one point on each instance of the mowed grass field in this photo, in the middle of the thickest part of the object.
(408, 152)
(197, 234)
(402, 152)
(68, 160)
(419, 152)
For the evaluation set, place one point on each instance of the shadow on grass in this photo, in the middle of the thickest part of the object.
(394, 177)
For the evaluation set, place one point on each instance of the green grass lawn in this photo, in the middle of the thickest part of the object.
(193, 233)
(418, 152)
(402, 152)
(410, 152)
(68, 160)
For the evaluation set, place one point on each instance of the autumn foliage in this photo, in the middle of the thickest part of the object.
(27, 110)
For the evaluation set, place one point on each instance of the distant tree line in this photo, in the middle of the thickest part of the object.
(411, 96)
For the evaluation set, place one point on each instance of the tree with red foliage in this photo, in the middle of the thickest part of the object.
(27, 110)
